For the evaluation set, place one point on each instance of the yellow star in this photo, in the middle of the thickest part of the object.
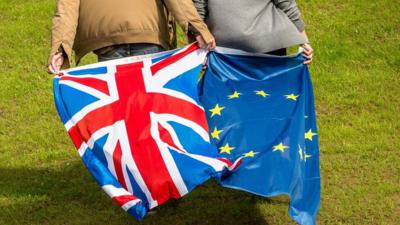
(250, 154)
(280, 147)
(215, 133)
(292, 96)
(234, 95)
(309, 134)
(216, 110)
(262, 93)
(226, 149)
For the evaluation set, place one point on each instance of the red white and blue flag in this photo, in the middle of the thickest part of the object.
(139, 128)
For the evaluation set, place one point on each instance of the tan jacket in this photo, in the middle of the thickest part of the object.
(86, 25)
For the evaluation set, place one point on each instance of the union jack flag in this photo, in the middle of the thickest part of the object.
(139, 128)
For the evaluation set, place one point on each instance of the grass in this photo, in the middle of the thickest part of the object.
(357, 83)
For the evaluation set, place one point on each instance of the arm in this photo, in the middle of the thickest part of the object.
(65, 22)
(292, 11)
(185, 13)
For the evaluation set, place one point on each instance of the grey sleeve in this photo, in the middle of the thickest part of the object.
(201, 6)
(292, 11)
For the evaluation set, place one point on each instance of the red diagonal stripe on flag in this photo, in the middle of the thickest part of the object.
(174, 58)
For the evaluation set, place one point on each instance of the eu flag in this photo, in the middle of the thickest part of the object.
(260, 108)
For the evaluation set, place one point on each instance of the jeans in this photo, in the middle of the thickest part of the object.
(125, 50)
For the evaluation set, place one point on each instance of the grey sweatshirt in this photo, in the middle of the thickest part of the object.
(253, 25)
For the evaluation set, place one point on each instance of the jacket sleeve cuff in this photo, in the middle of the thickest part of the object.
(299, 23)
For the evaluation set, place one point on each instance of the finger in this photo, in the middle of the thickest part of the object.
(308, 56)
(208, 46)
(50, 69)
(309, 51)
(56, 66)
(307, 62)
(53, 61)
(198, 41)
(212, 44)
(201, 42)
(57, 57)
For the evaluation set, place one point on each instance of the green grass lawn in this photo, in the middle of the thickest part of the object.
(356, 77)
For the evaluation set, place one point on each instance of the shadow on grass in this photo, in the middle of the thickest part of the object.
(69, 195)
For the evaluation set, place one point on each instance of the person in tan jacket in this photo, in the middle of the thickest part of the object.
(120, 28)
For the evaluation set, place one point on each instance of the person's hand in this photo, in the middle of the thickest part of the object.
(56, 62)
(307, 53)
(202, 43)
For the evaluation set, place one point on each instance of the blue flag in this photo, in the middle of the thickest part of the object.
(261, 108)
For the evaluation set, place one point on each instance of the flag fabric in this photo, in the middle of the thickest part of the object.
(261, 108)
(139, 128)
(148, 129)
